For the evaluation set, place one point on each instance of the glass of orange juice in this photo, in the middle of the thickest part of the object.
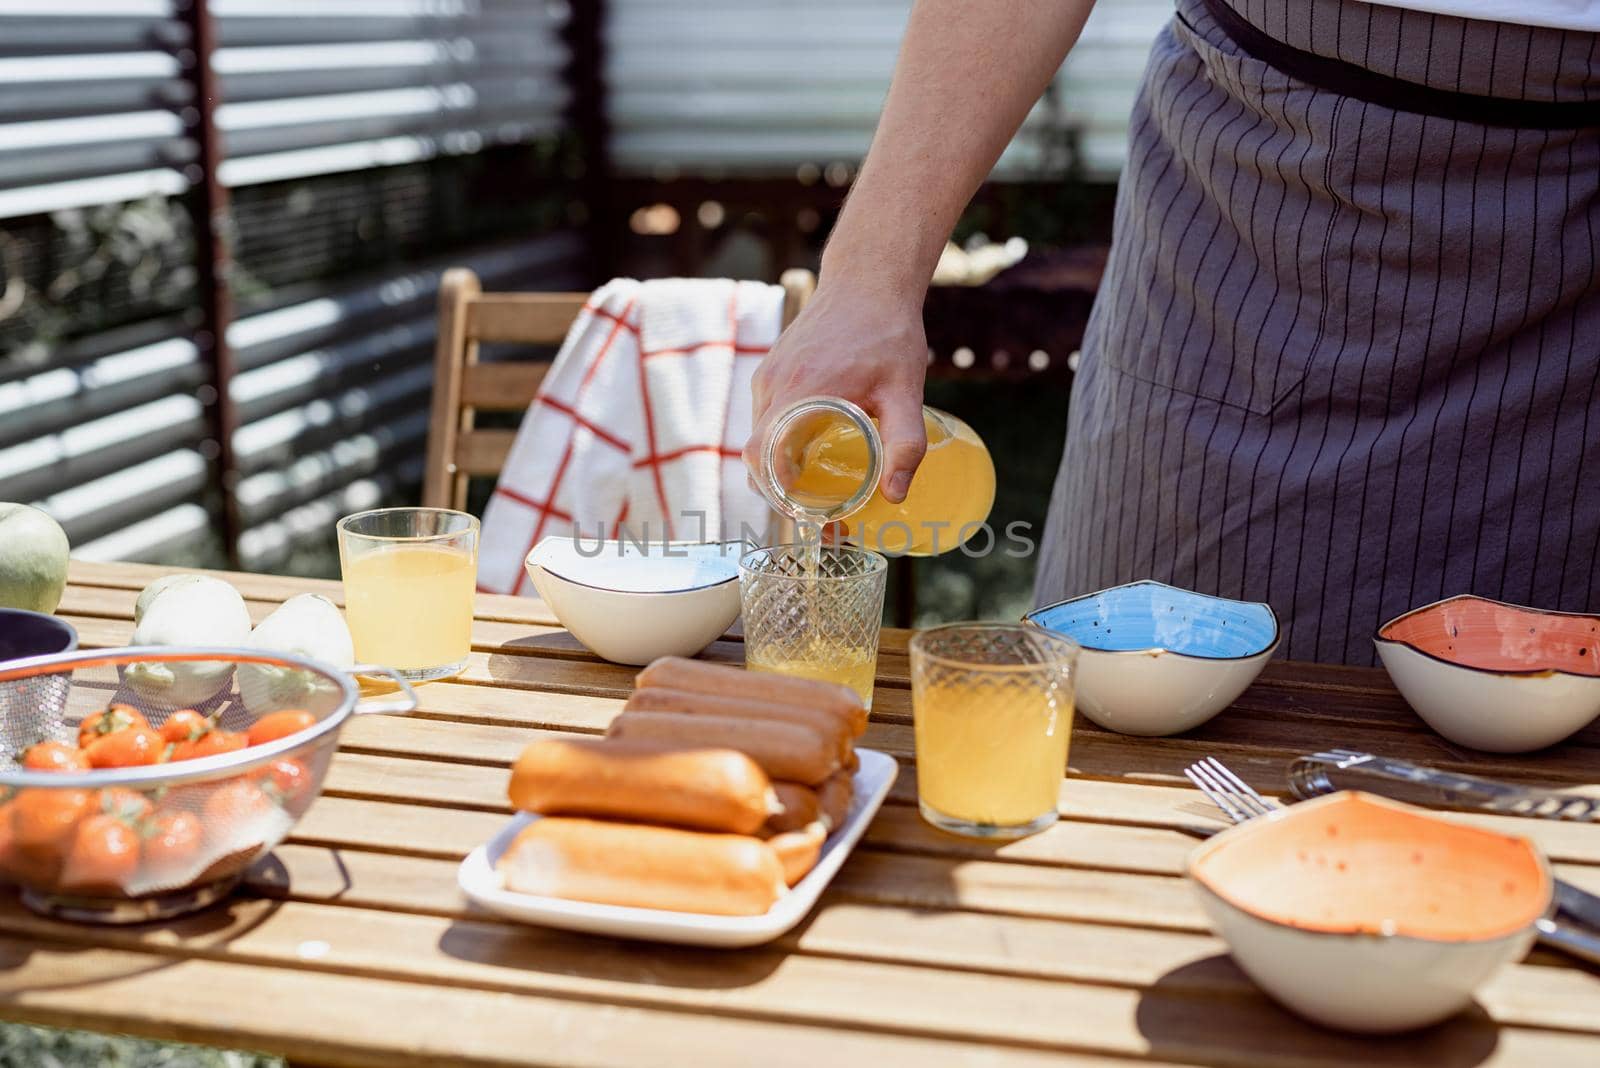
(409, 576)
(814, 611)
(992, 709)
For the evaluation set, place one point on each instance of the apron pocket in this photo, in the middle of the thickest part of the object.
(1217, 278)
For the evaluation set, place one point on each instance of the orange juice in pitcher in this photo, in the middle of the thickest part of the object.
(821, 459)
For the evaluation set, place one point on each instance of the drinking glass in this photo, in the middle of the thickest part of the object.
(992, 708)
(814, 611)
(409, 576)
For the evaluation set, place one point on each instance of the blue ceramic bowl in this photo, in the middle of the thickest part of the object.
(1158, 659)
(25, 634)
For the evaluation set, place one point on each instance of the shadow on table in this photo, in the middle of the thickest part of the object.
(207, 931)
(557, 643)
(1184, 1016)
(607, 960)
(508, 659)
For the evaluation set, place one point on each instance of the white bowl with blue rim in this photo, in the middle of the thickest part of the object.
(1158, 659)
(632, 602)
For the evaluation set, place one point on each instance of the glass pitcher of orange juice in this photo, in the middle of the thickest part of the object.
(821, 458)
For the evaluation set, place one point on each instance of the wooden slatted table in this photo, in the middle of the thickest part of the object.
(1081, 945)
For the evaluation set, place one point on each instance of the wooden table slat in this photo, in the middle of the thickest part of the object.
(1168, 1019)
(1083, 944)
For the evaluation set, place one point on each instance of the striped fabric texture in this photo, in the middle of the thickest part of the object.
(638, 427)
(1346, 359)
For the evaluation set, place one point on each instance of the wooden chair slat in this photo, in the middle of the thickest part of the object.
(502, 387)
(483, 452)
(453, 352)
(528, 318)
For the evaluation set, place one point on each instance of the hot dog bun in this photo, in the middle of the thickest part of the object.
(704, 789)
(784, 750)
(798, 850)
(644, 867)
(701, 676)
(660, 699)
(835, 796)
(800, 807)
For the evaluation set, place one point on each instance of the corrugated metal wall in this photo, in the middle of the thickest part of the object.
(101, 417)
(760, 86)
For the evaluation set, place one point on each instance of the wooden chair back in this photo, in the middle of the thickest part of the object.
(468, 317)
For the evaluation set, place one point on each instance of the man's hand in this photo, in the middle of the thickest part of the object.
(863, 347)
(967, 74)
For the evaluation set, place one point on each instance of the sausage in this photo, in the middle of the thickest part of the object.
(705, 789)
(643, 867)
(799, 850)
(800, 807)
(660, 699)
(835, 796)
(784, 750)
(702, 676)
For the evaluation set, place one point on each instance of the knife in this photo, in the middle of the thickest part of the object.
(1312, 776)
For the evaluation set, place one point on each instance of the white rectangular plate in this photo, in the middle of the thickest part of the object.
(481, 883)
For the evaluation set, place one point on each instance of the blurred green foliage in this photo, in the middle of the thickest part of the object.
(26, 1046)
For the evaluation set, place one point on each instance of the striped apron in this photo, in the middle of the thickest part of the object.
(1346, 355)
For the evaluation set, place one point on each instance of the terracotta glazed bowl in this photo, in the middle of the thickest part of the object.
(1158, 659)
(1368, 915)
(1495, 676)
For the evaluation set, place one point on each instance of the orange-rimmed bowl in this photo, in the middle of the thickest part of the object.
(1368, 915)
(1494, 676)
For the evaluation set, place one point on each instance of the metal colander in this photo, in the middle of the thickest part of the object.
(127, 844)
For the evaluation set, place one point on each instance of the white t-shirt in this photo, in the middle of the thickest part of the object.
(1562, 14)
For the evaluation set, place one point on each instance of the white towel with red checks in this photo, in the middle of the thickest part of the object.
(639, 426)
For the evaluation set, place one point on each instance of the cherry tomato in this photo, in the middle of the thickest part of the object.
(128, 805)
(286, 781)
(171, 844)
(214, 741)
(103, 858)
(54, 756)
(113, 719)
(45, 819)
(275, 725)
(235, 803)
(127, 748)
(43, 822)
(184, 725)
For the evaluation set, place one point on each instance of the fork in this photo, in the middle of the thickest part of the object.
(1241, 802)
(1237, 799)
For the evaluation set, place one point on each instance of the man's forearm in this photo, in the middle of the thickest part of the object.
(968, 73)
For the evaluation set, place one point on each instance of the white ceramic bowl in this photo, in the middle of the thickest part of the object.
(1158, 659)
(1367, 915)
(1494, 676)
(633, 603)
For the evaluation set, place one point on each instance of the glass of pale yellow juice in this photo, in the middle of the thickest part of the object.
(992, 708)
(409, 576)
(814, 611)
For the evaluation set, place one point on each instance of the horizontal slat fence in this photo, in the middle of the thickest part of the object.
(754, 87)
(351, 133)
